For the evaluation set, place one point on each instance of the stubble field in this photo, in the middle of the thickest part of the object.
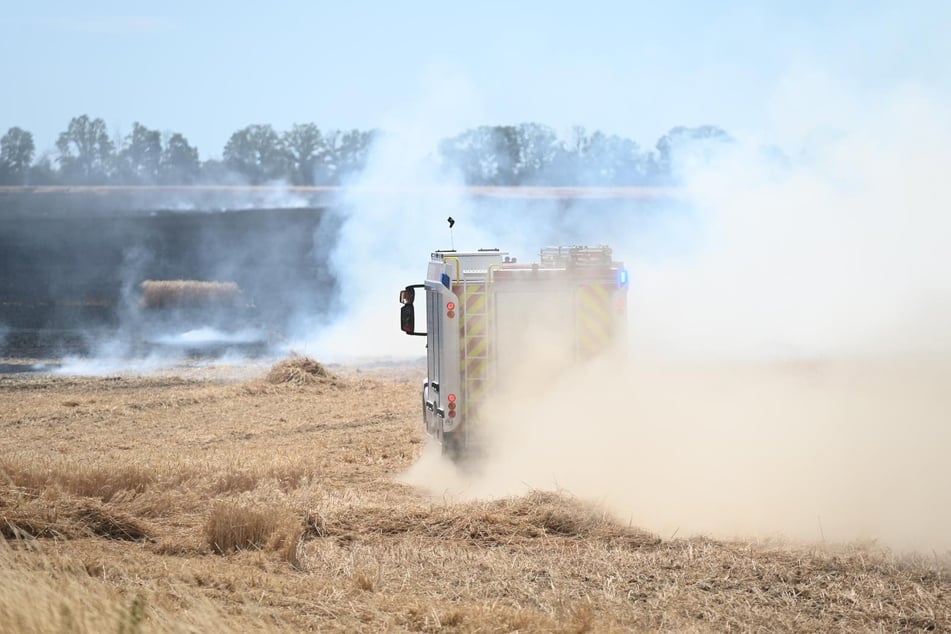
(231, 499)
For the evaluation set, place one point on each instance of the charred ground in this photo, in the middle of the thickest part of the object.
(71, 274)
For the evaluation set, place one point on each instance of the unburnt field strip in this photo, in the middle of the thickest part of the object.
(197, 501)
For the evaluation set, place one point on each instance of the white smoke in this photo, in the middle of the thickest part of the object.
(790, 366)
(240, 196)
(393, 216)
(839, 252)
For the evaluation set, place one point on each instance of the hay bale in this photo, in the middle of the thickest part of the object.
(299, 371)
(159, 294)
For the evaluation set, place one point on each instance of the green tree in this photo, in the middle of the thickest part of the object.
(215, 171)
(43, 173)
(344, 154)
(615, 160)
(16, 156)
(141, 156)
(86, 154)
(304, 146)
(538, 152)
(179, 162)
(600, 159)
(256, 153)
(353, 151)
(487, 155)
(684, 148)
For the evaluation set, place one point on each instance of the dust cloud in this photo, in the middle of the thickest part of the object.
(788, 376)
(834, 451)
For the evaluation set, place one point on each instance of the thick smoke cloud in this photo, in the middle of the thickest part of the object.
(391, 217)
(789, 369)
(833, 253)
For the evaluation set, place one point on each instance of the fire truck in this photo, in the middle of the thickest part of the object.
(481, 309)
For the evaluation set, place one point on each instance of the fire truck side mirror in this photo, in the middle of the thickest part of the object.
(407, 312)
(408, 319)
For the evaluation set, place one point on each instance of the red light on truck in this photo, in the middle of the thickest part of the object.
(451, 314)
(452, 406)
(451, 306)
(452, 398)
(452, 413)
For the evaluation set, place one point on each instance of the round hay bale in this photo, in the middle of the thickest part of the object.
(299, 371)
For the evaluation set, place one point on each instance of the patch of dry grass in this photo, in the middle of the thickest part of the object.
(42, 590)
(299, 371)
(499, 522)
(110, 506)
(100, 481)
(232, 526)
(56, 515)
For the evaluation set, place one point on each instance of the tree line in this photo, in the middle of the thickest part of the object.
(523, 154)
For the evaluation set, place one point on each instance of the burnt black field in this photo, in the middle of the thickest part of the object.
(72, 259)
(72, 262)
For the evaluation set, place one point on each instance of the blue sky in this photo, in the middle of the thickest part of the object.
(634, 68)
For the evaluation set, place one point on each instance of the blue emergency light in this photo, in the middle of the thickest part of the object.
(622, 277)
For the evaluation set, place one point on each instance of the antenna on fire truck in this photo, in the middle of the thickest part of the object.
(452, 242)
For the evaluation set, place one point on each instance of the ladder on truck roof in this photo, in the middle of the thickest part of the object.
(567, 257)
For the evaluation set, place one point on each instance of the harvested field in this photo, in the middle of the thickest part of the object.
(210, 501)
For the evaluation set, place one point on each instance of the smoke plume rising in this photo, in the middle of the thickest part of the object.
(392, 217)
(789, 371)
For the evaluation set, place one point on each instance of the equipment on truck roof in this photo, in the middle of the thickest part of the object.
(484, 308)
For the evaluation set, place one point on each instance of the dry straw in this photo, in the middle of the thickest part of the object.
(513, 520)
(64, 517)
(232, 526)
(112, 490)
(299, 371)
(157, 294)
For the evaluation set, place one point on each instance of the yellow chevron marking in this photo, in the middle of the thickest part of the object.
(475, 368)
(477, 347)
(475, 325)
(475, 303)
(595, 324)
(596, 300)
(595, 319)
